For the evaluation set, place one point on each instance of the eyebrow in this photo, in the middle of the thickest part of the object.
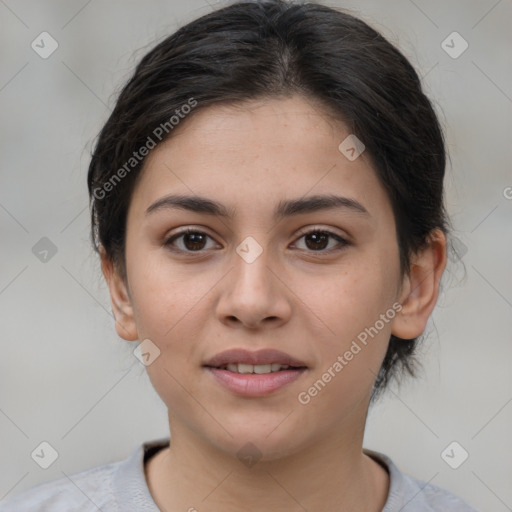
(285, 208)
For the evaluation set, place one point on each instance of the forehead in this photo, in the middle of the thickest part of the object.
(258, 151)
(254, 127)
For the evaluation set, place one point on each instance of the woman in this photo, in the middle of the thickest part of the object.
(267, 203)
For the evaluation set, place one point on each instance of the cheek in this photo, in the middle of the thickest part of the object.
(167, 304)
(350, 304)
(351, 298)
(165, 296)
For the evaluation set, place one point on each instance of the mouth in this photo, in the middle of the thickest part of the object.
(254, 374)
(259, 369)
(260, 361)
(255, 384)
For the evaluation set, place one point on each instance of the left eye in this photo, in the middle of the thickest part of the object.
(318, 240)
(195, 241)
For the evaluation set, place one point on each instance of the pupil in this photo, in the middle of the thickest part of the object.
(315, 237)
(195, 239)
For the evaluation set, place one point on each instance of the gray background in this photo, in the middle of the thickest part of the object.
(65, 376)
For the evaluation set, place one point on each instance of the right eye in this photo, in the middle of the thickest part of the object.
(191, 240)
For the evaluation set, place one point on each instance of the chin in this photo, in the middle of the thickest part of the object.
(255, 441)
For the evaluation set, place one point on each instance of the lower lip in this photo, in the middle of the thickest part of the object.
(252, 384)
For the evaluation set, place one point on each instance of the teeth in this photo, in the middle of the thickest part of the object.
(255, 368)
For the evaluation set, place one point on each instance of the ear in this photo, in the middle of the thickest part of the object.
(120, 298)
(420, 288)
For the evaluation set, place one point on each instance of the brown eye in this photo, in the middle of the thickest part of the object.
(191, 240)
(194, 241)
(318, 240)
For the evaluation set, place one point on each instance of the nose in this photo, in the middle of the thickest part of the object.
(254, 295)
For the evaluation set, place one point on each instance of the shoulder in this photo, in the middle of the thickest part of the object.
(408, 494)
(115, 487)
(86, 491)
(429, 497)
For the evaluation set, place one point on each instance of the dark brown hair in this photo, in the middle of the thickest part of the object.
(268, 49)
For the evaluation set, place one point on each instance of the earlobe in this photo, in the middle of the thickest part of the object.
(420, 288)
(120, 299)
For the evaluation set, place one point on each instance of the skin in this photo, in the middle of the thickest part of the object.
(310, 304)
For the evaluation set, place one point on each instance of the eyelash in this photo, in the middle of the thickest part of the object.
(342, 241)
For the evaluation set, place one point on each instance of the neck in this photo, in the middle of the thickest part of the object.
(331, 474)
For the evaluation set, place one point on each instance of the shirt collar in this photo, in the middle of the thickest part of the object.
(129, 481)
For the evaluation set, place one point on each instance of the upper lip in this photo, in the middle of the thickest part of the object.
(265, 356)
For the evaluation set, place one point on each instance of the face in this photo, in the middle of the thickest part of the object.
(310, 282)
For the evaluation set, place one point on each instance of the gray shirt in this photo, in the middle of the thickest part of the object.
(121, 487)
